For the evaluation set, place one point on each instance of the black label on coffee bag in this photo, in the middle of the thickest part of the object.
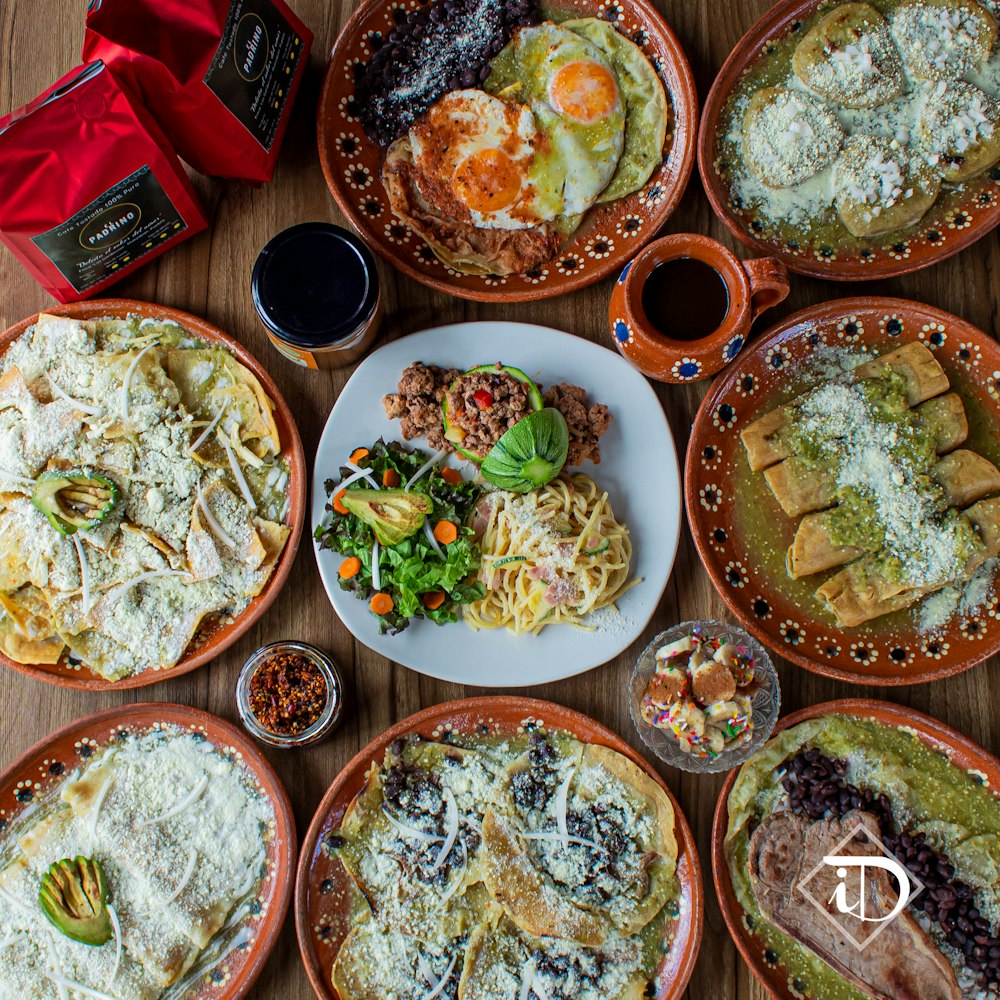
(115, 230)
(254, 66)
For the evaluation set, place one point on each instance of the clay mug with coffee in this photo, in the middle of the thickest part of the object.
(682, 308)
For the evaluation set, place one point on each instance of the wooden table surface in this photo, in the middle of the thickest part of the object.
(210, 276)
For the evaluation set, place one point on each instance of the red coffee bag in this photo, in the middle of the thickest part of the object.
(220, 76)
(90, 188)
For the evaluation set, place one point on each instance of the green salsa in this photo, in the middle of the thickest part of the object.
(957, 811)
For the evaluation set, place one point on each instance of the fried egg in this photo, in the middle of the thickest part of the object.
(481, 158)
(574, 93)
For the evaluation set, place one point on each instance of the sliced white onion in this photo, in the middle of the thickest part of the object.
(429, 532)
(562, 800)
(217, 528)
(527, 977)
(539, 990)
(366, 473)
(443, 981)
(457, 881)
(84, 571)
(429, 464)
(16, 903)
(237, 472)
(353, 478)
(202, 437)
(127, 383)
(376, 571)
(116, 592)
(16, 478)
(75, 403)
(185, 878)
(98, 803)
(188, 800)
(568, 839)
(69, 984)
(451, 829)
(411, 831)
(56, 964)
(116, 925)
(426, 971)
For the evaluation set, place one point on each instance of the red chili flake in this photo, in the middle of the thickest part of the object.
(287, 693)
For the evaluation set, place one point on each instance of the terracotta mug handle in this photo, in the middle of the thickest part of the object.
(768, 283)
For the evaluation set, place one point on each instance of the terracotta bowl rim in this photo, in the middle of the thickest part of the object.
(928, 729)
(683, 96)
(221, 638)
(947, 668)
(463, 706)
(253, 759)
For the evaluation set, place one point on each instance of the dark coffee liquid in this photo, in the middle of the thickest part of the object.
(685, 299)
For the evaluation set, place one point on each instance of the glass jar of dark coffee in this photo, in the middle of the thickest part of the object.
(316, 289)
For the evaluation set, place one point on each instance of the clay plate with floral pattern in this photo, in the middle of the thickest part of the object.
(609, 236)
(765, 964)
(39, 771)
(961, 216)
(323, 888)
(212, 640)
(725, 500)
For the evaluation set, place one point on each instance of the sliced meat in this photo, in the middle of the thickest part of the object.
(899, 963)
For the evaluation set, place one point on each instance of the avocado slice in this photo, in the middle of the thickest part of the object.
(393, 515)
(74, 500)
(453, 435)
(74, 897)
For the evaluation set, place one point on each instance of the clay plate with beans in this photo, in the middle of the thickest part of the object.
(323, 887)
(610, 234)
(766, 963)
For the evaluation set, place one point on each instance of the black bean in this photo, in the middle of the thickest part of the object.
(484, 73)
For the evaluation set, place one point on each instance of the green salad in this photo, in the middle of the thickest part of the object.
(401, 522)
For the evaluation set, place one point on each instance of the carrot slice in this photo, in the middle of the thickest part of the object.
(450, 475)
(381, 604)
(434, 599)
(390, 478)
(338, 504)
(358, 454)
(350, 568)
(445, 532)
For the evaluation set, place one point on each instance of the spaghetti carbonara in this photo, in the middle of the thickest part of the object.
(553, 555)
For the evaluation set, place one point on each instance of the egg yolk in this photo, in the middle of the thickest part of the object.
(487, 180)
(584, 91)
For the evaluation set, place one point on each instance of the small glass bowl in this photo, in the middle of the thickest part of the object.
(766, 700)
(328, 718)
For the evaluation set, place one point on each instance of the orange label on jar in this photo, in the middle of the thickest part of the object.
(303, 358)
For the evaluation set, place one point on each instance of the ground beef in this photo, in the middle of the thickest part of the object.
(586, 426)
(422, 389)
(417, 404)
(485, 405)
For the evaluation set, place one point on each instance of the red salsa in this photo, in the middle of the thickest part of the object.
(288, 693)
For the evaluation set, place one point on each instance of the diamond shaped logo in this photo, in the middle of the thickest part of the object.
(870, 889)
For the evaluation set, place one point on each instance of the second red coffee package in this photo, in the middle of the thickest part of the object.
(220, 76)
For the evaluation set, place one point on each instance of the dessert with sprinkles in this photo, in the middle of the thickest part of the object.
(699, 693)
